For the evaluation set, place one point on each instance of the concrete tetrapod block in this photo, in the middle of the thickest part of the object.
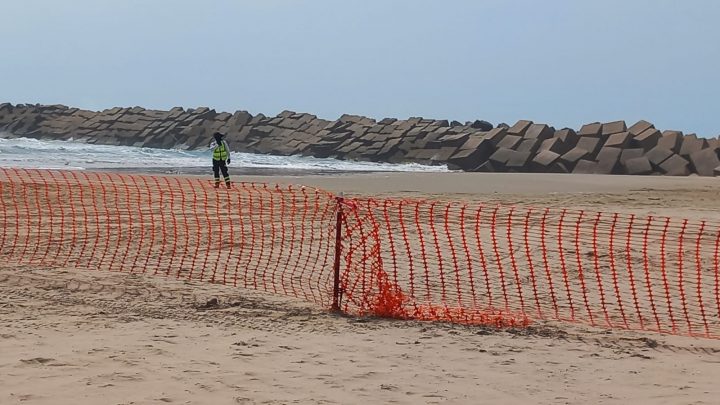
(671, 140)
(389, 129)
(453, 139)
(500, 158)
(544, 162)
(520, 127)
(518, 161)
(509, 141)
(638, 166)
(481, 125)
(630, 153)
(558, 167)
(590, 144)
(528, 145)
(585, 167)
(539, 131)
(443, 154)
(640, 127)
(619, 140)
(614, 127)
(546, 158)
(490, 167)
(474, 141)
(389, 148)
(496, 135)
(658, 154)
(568, 136)
(592, 129)
(691, 144)
(675, 165)
(471, 159)
(571, 158)
(648, 139)
(555, 145)
(705, 161)
(608, 161)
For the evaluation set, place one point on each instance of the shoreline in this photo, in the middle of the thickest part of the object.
(434, 183)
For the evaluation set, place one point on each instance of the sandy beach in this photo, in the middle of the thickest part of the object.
(81, 337)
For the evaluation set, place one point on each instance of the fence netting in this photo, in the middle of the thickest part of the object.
(456, 261)
(270, 238)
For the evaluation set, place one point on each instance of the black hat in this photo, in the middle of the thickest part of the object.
(218, 135)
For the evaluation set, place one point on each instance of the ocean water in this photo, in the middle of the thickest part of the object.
(37, 154)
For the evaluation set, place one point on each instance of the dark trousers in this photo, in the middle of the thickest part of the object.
(219, 165)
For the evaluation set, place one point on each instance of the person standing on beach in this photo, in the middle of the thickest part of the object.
(221, 155)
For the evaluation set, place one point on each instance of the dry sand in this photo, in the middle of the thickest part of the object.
(79, 337)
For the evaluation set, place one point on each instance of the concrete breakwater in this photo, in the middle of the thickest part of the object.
(601, 148)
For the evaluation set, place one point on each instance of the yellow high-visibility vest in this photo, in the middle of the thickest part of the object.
(221, 151)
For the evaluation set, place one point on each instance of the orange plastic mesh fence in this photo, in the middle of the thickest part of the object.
(414, 259)
(505, 265)
(270, 238)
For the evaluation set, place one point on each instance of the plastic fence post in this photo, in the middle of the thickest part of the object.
(307, 267)
(4, 211)
(242, 189)
(338, 253)
(390, 240)
(531, 267)
(290, 253)
(96, 189)
(458, 284)
(39, 221)
(580, 273)
(411, 265)
(663, 270)
(681, 281)
(596, 262)
(161, 228)
(28, 218)
(186, 228)
(496, 250)
(613, 269)
(421, 239)
(84, 209)
(646, 268)
(561, 253)
(438, 252)
(481, 252)
(16, 215)
(271, 223)
(466, 249)
(301, 251)
(325, 250)
(717, 271)
(546, 265)
(631, 275)
(282, 219)
(60, 243)
(701, 304)
(513, 261)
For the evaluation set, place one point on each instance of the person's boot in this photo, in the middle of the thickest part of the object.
(227, 184)
(217, 184)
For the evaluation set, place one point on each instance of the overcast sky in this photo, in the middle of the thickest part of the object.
(564, 63)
